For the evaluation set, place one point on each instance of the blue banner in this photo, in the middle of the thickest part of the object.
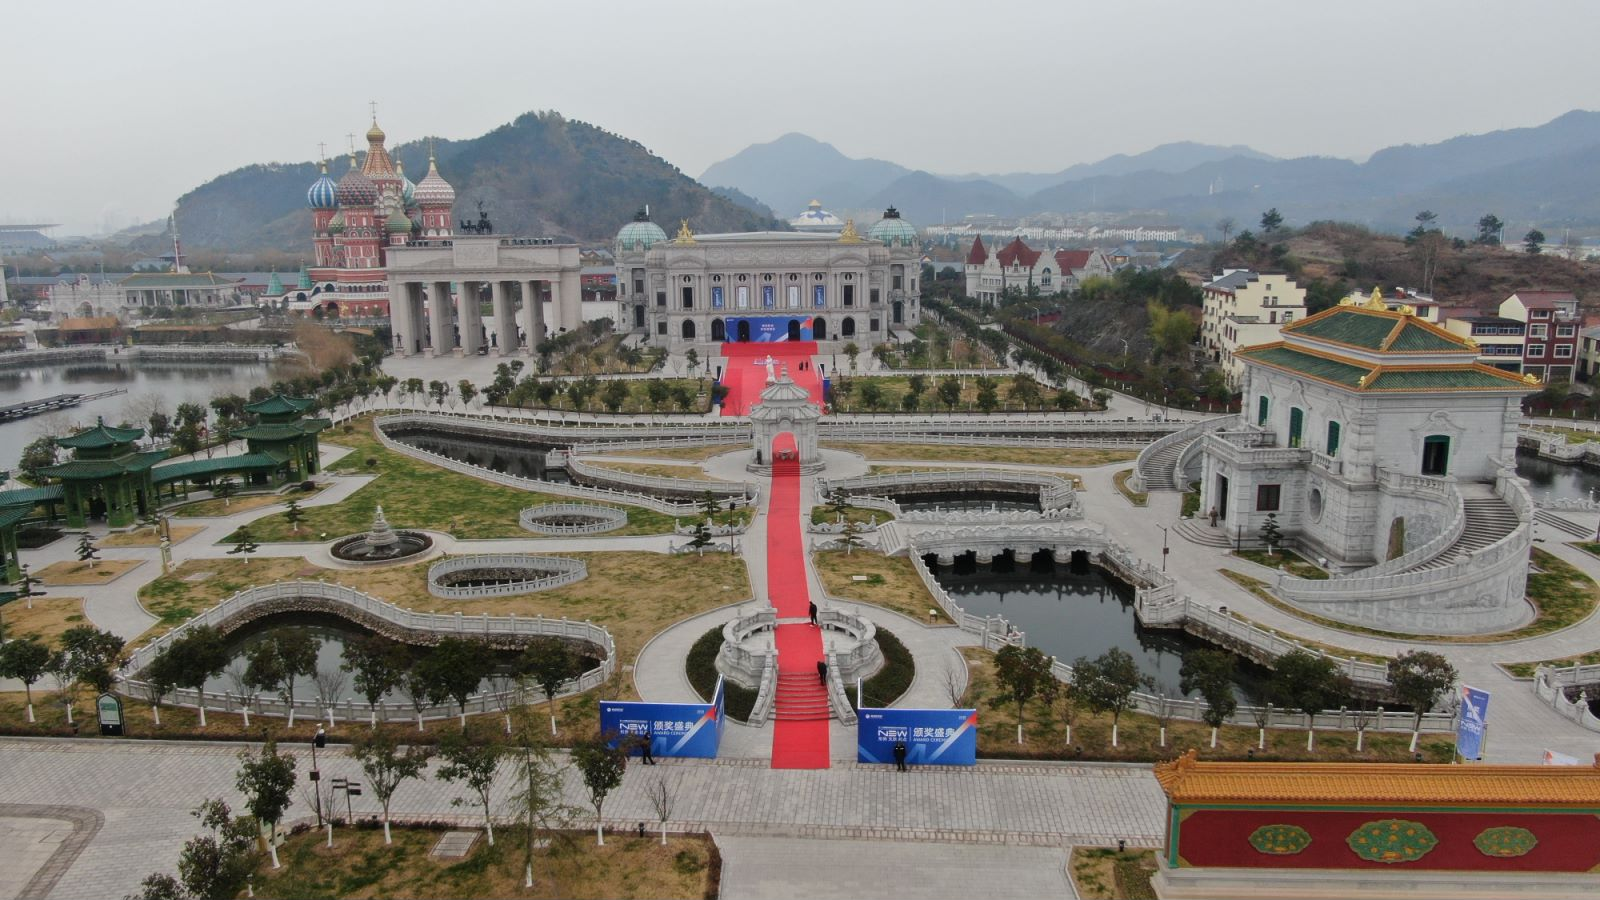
(674, 729)
(1474, 718)
(933, 737)
(767, 329)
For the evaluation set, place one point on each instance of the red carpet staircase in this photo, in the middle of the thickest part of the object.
(800, 697)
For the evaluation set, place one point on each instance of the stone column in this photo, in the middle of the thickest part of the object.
(469, 319)
(532, 317)
(418, 320)
(440, 319)
(400, 316)
(558, 318)
(505, 320)
(571, 299)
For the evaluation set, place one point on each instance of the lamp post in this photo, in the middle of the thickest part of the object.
(318, 741)
(1164, 548)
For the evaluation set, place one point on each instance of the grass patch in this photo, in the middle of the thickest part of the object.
(360, 865)
(235, 505)
(894, 679)
(48, 618)
(1573, 435)
(1561, 596)
(1101, 873)
(701, 667)
(691, 454)
(150, 537)
(891, 582)
(416, 494)
(1285, 561)
(661, 470)
(1137, 498)
(1191, 501)
(1527, 669)
(1031, 456)
(825, 513)
(68, 572)
(1044, 733)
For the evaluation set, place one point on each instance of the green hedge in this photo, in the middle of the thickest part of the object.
(701, 668)
(893, 679)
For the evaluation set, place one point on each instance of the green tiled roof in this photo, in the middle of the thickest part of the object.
(180, 280)
(1442, 379)
(103, 468)
(281, 431)
(11, 515)
(279, 405)
(247, 462)
(1348, 326)
(100, 437)
(1307, 364)
(1416, 338)
(29, 496)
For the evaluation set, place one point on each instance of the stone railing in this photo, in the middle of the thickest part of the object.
(997, 429)
(1393, 482)
(1571, 676)
(1566, 504)
(289, 596)
(548, 426)
(678, 487)
(606, 518)
(1180, 433)
(736, 435)
(561, 571)
(533, 484)
(1549, 686)
(983, 625)
(1455, 524)
(714, 529)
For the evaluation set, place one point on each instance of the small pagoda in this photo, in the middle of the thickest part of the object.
(283, 430)
(106, 477)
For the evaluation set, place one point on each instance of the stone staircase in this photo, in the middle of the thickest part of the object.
(1201, 533)
(1156, 470)
(1488, 519)
(800, 697)
(1563, 524)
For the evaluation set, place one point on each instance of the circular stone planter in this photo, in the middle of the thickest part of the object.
(502, 574)
(358, 549)
(573, 518)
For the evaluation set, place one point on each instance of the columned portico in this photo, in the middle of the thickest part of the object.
(505, 320)
(469, 317)
(532, 316)
(440, 321)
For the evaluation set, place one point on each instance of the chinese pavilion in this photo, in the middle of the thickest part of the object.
(106, 476)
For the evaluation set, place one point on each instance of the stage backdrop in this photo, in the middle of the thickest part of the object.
(675, 729)
(768, 329)
(933, 737)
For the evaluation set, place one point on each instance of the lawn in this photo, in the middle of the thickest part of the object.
(572, 866)
(68, 572)
(893, 388)
(690, 454)
(1027, 456)
(416, 494)
(234, 505)
(1137, 498)
(48, 618)
(1561, 596)
(1103, 873)
(1285, 561)
(826, 513)
(1527, 669)
(638, 399)
(890, 582)
(149, 537)
(663, 470)
(1139, 734)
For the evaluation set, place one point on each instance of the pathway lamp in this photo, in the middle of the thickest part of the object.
(1165, 549)
(319, 741)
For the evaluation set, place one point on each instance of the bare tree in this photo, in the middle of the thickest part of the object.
(330, 684)
(955, 683)
(1163, 715)
(1263, 716)
(663, 791)
(241, 686)
(1225, 225)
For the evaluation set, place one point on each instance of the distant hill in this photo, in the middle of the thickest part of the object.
(540, 175)
(745, 201)
(1541, 176)
(793, 170)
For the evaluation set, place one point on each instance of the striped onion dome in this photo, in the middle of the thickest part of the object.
(323, 193)
(433, 190)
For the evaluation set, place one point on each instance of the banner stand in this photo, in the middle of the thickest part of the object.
(933, 737)
(673, 729)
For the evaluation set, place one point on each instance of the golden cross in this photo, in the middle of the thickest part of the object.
(352, 138)
(374, 105)
(322, 150)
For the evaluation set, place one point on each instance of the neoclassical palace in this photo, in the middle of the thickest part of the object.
(769, 285)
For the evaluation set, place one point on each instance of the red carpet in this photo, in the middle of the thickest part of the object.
(800, 727)
(745, 371)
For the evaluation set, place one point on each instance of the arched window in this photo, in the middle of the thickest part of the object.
(1261, 410)
(1436, 455)
(719, 331)
(847, 328)
(688, 329)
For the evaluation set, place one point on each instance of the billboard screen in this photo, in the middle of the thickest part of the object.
(933, 737)
(674, 729)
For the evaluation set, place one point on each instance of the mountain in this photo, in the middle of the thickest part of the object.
(1174, 157)
(1411, 167)
(540, 175)
(928, 199)
(793, 170)
(741, 199)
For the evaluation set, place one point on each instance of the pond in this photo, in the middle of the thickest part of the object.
(333, 632)
(522, 459)
(1553, 480)
(968, 501)
(1071, 615)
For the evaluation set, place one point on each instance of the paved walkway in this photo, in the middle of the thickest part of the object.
(146, 789)
(782, 868)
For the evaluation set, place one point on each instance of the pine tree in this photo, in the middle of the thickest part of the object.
(1270, 534)
(244, 543)
(87, 551)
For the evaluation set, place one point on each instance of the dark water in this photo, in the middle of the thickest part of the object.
(173, 384)
(968, 501)
(333, 632)
(1553, 480)
(1068, 616)
(525, 460)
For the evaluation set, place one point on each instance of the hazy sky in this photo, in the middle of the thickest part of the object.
(112, 110)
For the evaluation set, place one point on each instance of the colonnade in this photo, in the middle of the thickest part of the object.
(515, 330)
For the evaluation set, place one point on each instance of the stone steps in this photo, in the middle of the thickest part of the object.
(1157, 469)
(1488, 519)
(800, 697)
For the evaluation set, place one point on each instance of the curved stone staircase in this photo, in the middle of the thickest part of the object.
(1157, 471)
(1487, 519)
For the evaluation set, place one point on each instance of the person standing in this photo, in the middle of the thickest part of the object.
(644, 749)
(813, 612)
(900, 756)
(822, 672)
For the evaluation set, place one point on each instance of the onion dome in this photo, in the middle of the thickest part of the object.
(336, 224)
(356, 189)
(323, 193)
(433, 190)
(640, 233)
(408, 191)
(891, 230)
(375, 134)
(816, 219)
(398, 222)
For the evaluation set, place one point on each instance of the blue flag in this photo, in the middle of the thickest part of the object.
(1474, 717)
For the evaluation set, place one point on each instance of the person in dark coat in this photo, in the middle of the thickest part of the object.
(822, 672)
(813, 612)
(900, 756)
(644, 746)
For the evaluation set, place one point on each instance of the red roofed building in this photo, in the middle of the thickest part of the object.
(1020, 268)
(1550, 350)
